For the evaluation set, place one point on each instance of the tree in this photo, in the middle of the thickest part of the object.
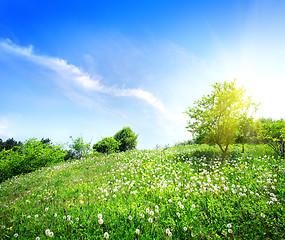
(80, 148)
(107, 145)
(217, 116)
(273, 132)
(127, 139)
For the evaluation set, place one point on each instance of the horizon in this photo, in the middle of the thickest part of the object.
(89, 69)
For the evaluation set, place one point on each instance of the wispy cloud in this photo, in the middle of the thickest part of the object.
(70, 75)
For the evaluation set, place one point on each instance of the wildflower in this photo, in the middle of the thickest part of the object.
(68, 218)
(29, 216)
(106, 235)
(193, 205)
(55, 214)
(151, 213)
(47, 232)
(77, 219)
(36, 215)
(230, 231)
(64, 217)
(181, 206)
(130, 218)
(2, 227)
(100, 221)
(100, 215)
(224, 232)
(262, 215)
(178, 214)
(156, 210)
(137, 231)
(46, 209)
(150, 220)
(142, 215)
(37, 238)
(169, 234)
(167, 230)
(81, 202)
(147, 210)
(229, 225)
(16, 235)
(169, 200)
(50, 234)
(185, 229)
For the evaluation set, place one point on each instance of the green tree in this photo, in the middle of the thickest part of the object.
(79, 147)
(217, 115)
(107, 145)
(273, 133)
(127, 139)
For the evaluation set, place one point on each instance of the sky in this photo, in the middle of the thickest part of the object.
(87, 68)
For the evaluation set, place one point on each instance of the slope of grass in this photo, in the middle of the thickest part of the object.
(184, 192)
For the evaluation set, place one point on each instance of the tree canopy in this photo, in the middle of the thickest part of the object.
(216, 117)
(127, 139)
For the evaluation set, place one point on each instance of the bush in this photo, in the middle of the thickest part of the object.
(107, 145)
(127, 139)
(30, 157)
(79, 148)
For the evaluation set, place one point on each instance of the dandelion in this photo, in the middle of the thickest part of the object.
(64, 217)
(77, 219)
(193, 205)
(46, 209)
(55, 214)
(150, 220)
(151, 213)
(178, 214)
(37, 238)
(50, 234)
(229, 225)
(167, 230)
(47, 232)
(156, 210)
(16, 235)
(100, 221)
(262, 215)
(81, 202)
(185, 229)
(169, 200)
(169, 234)
(29, 216)
(130, 218)
(106, 235)
(68, 217)
(2, 227)
(181, 206)
(137, 231)
(147, 210)
(36, 216)
(224, 232)
(230, 231)
(100, 215)
(142, 215)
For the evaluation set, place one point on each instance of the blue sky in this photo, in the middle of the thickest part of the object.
(89, 68)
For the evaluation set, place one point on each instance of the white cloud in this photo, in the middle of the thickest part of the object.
(73, 80)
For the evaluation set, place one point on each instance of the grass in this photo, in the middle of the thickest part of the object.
(184, 192)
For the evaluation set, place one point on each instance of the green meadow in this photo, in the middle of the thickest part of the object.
(181, 192)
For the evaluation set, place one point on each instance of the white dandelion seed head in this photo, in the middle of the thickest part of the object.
(100, 215)
(229, 225)
(230, 231)
(100, 221)
(137, 231)
(106, 235)
(150, 220)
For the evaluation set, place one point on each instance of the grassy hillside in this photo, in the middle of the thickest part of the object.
(184, 192)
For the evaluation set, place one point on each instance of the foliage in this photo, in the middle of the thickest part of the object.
(30, 157)
(165, 194)
(9, 144)
(127, 139)
(273, 132)
(215, 118)
(79, 147)
(107, 145)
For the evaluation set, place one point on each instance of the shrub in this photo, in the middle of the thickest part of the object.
(30, 157)
(127, 139)
(79, 148)
(107, 145)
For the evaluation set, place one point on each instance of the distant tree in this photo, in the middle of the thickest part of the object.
(216, 116)
(273, 133)
(127, 139)
(46, 141)
(80, 148)
(246, 131)
(9, 144)
(107, 145)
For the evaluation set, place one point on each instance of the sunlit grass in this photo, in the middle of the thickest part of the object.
(185, 192)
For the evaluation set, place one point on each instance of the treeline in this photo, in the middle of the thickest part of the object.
(267, 131)
(17, 157)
